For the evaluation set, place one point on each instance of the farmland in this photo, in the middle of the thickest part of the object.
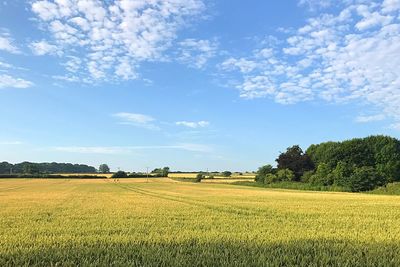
(72, 222)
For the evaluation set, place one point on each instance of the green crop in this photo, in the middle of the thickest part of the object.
(133, 222)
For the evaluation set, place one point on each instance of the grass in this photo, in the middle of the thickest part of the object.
(169, 223)
(389, 189)
(293, 186)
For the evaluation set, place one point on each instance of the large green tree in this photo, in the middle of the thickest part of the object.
(295, 160)
(103, 168)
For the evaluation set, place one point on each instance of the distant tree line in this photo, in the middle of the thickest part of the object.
(44, 168)
(158, 172)
(358, 164)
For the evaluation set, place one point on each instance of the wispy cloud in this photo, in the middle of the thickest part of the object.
(193, 124)
(130, 149)
(41, 48)
(395, 126)
(6, 44)
(136, 119)
(350, 55)
(114, 37)
(196, 53)
(371, 118)
(7, 81)
(315, 4)
(4, 65)
(244, 65)
(92, 150)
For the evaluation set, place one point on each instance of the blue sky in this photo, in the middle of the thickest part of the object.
(193, 84)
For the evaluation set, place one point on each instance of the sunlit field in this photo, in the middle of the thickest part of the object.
(193, 175)
(102, 175)
(159, 222)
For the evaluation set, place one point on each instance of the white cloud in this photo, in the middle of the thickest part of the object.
(242, 64)
(395, 126)
(136, 119)
(193, 124)
(371, 118)
(5, 65)
(131, 149)
(73, 64)
(67, 78)
(45, 9)
(352, 55)
(43, 48)
(6, 44)
(315, 4)
(390, 5)
(112, 38)
(7, 81)
(125, 70)
(92, 150)
(197, 53)
(372, 20)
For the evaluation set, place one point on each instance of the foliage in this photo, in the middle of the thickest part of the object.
(360, 164)
(342, 173)
(294, 186)
(380, 152)
(161, 172)
(30, 168)
(53, 167)
(200, 176)
(285, 175)
(226, 174)
(322, 176)
(364, 179)
(270, 178)
(295, 160)
(263, 172)
(103, 168)
(389, 189)
(144, 175)
(120, 174)
(307, 177)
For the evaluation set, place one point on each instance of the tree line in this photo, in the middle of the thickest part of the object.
(44, 168)
(157, 172)
(359, 164)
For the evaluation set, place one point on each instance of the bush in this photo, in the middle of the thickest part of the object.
(227, 174)
(160, 172)
(199, 177)
(285, 175)
(307, 176)
(270, 178)
(341, 174)
(262, 173)
(120, 174)
(364, 179)
(322, 176)
(211, 176)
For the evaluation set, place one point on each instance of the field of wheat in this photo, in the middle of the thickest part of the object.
(249, 176)
(162, 222)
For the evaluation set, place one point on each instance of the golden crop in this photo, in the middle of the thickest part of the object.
(105, 222)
